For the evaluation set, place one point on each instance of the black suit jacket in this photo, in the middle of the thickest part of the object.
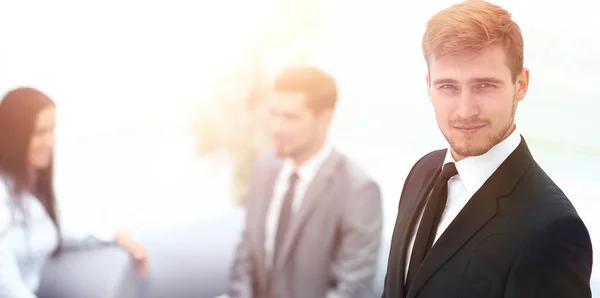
(518, 236)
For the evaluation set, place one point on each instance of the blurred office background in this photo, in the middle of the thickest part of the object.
(146, 90)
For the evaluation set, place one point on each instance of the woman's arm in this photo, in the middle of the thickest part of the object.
(77, 237)
(12, 284)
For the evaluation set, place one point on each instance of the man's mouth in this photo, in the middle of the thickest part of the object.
(469, 128)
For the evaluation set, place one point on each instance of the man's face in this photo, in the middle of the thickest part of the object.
(475, 99)
(294, 126)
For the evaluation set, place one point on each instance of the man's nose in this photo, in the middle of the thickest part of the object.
(467, 105)
(278, 123)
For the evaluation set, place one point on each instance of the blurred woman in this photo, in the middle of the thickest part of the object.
(29, 225)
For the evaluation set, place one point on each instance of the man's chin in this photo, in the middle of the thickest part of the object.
(468, 150)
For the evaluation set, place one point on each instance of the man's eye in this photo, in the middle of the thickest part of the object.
(485, 86)
(447, 87)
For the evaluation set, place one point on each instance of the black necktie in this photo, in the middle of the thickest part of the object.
(285, 215)
(429, 221)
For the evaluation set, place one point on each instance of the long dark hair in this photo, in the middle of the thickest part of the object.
(19, 110)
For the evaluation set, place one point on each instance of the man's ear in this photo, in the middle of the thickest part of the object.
(326, 115)
(522, 84)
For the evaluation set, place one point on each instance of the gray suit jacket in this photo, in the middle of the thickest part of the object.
(333, 241)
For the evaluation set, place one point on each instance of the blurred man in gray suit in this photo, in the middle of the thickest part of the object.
(313, 217)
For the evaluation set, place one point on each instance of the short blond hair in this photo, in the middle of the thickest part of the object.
(319, 87)
(470, 27)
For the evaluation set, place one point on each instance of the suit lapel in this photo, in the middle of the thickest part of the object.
(265, 192)
(478, 211)
(314, 194)
(411, 210)
(416, 184)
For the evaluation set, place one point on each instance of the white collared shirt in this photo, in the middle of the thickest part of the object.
(28, 237)
(473, 172)
(306, 173)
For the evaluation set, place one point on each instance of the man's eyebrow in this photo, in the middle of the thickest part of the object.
(475, 80)
(487, 80)
(445, 81)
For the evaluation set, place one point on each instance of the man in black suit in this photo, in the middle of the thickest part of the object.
(482, 219)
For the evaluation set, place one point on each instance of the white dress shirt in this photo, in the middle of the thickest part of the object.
(473, 172)
(306, 172)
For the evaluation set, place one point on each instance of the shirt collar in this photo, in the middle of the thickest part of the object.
(474, 171)
(307, 170)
